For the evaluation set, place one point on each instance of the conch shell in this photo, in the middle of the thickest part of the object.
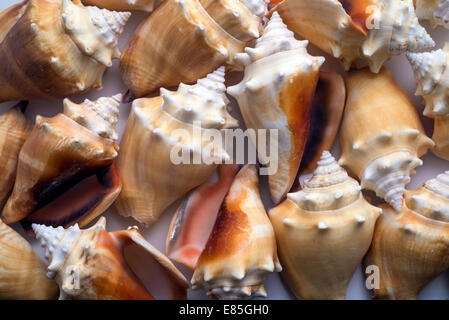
(121, 5)
(432, 75)
(410, 246)
(95, 264)
(22, 273)
(56, 48)
(323, 232)
(276, 93)
(65, 171)
(194, 220)
(352, 30)
(435, 11)
(161, 128)
(241, 251)
(207, 34)
(381, 144)
(14, 128)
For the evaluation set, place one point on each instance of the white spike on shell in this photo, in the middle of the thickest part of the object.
(272, 95)
(435, 11)
(327, 225)
(390, 28)
(257, 7)
(95, 31)
(204, 101)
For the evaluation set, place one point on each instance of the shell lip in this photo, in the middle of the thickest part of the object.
(81, 203)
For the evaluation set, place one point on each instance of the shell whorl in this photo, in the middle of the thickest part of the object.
(203, 102)
(100, 116)
(388, 175)
(257, 7)
(432, 199)
(95, 31)
(276, 37)
(329, 188)
(432, 76)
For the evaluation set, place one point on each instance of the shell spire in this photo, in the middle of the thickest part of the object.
(275, 38)
(204, 102)
(100, 116)
(95, 31)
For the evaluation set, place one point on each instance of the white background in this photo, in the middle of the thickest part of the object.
(112, 84)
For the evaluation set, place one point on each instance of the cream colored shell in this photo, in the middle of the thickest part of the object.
(380, 144)
(409, 247)
(389, 27)
(323, 232)
(435, 11)
(241, 251)
(158, 131)
(141, 5)
(276, 93)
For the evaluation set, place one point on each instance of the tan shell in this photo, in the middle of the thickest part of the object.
(151, 61)
(158, 130)
(22, 273)
(241, 251)
(432, 76)
(94, 264)
(120, 5)
(276, 93)
(323, 232)
(381, 145)
(54, 49)
(352, 30)
(58, 155)
(410, 246)
(14, 129)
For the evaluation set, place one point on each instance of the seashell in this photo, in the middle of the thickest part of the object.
(410, 246)
(432, 76)
(22, 273)
(95, 264)
(14, 128)
(371, 31)
(121, 5)
(326, 113)
(241, 251)
(381, 145)
(65, 171)
(323, 232)
(56, 48)
(435, 11)
(194, 220)
(164, 149)
(205, 33)
(276, 93)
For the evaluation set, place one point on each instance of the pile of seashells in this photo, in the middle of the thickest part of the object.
(61, 173)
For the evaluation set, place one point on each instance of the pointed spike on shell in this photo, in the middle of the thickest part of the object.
(203, 102)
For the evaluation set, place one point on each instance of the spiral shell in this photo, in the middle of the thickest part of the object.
(410, 246)
(368, 30)
(276, 93)
(158, 131)
(65, 171)
(54, 49)
(91, 263)
(323, 232)
(22, 273)
(432, 76)
(207, 33)
(380, 144)
(241, 251)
